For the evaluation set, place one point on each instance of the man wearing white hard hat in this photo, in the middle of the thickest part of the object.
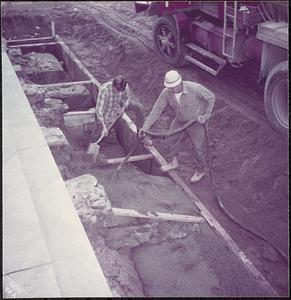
(190, 101)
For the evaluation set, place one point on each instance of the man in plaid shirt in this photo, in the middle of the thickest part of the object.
(113, 100)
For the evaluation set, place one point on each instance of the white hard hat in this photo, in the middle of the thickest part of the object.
(172, 79)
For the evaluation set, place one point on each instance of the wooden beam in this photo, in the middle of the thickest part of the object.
(24, 41)
(156, 215)
(80, 113)
(53, 28)
(79, 118)
(34, 45)
(61, 84)
(119, 160)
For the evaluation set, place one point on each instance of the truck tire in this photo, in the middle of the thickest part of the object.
(276, 97)
(168, 42)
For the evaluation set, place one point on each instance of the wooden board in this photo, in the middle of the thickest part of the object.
(156, 215)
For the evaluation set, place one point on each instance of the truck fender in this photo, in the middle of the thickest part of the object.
(182, 25)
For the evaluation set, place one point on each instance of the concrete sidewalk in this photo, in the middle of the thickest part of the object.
(46, 252)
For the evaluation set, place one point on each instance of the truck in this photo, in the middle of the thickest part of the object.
(211, 34)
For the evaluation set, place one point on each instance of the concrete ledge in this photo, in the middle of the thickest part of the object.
(20, 222)
(58, 259)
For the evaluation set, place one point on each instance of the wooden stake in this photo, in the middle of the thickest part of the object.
(53, 29)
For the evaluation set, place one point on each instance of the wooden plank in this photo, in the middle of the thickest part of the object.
(157, 215)
(53, 28)
(119, 160)
(25, 41)
(79, 118)
(61, 84)
(34, 45)
(215, 225)
(88, 113)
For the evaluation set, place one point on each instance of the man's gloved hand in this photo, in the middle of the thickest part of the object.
(201, 119)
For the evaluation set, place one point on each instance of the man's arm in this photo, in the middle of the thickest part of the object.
(209, 97)
(100, 103)
(157, 109)
(127, 97)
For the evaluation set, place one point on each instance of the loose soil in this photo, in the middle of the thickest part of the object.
(249, 159)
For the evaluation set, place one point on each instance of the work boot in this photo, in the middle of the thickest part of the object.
(93, 149)
(197, 176)
(170, 166)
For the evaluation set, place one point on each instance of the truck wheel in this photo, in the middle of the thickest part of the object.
(276, 97)
(167, 41)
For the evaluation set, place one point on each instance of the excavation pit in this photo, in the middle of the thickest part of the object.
(47, 63)
(141, 257)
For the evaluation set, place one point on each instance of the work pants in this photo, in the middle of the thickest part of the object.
(197, 137)
(134, 106)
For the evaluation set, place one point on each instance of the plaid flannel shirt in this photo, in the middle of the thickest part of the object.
(111, 102)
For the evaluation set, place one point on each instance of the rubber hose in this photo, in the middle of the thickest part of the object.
(170, 133)
(226, 212)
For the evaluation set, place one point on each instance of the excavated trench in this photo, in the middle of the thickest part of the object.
(139, 257)
(120, 243)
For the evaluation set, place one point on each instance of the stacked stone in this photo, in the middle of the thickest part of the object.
(60, 148)
(15, 55)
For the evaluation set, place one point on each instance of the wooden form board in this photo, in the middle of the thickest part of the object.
(157, 215)
(29, 41)
(64, 84)
(34, 45)
(79, 118)
(118, 160)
